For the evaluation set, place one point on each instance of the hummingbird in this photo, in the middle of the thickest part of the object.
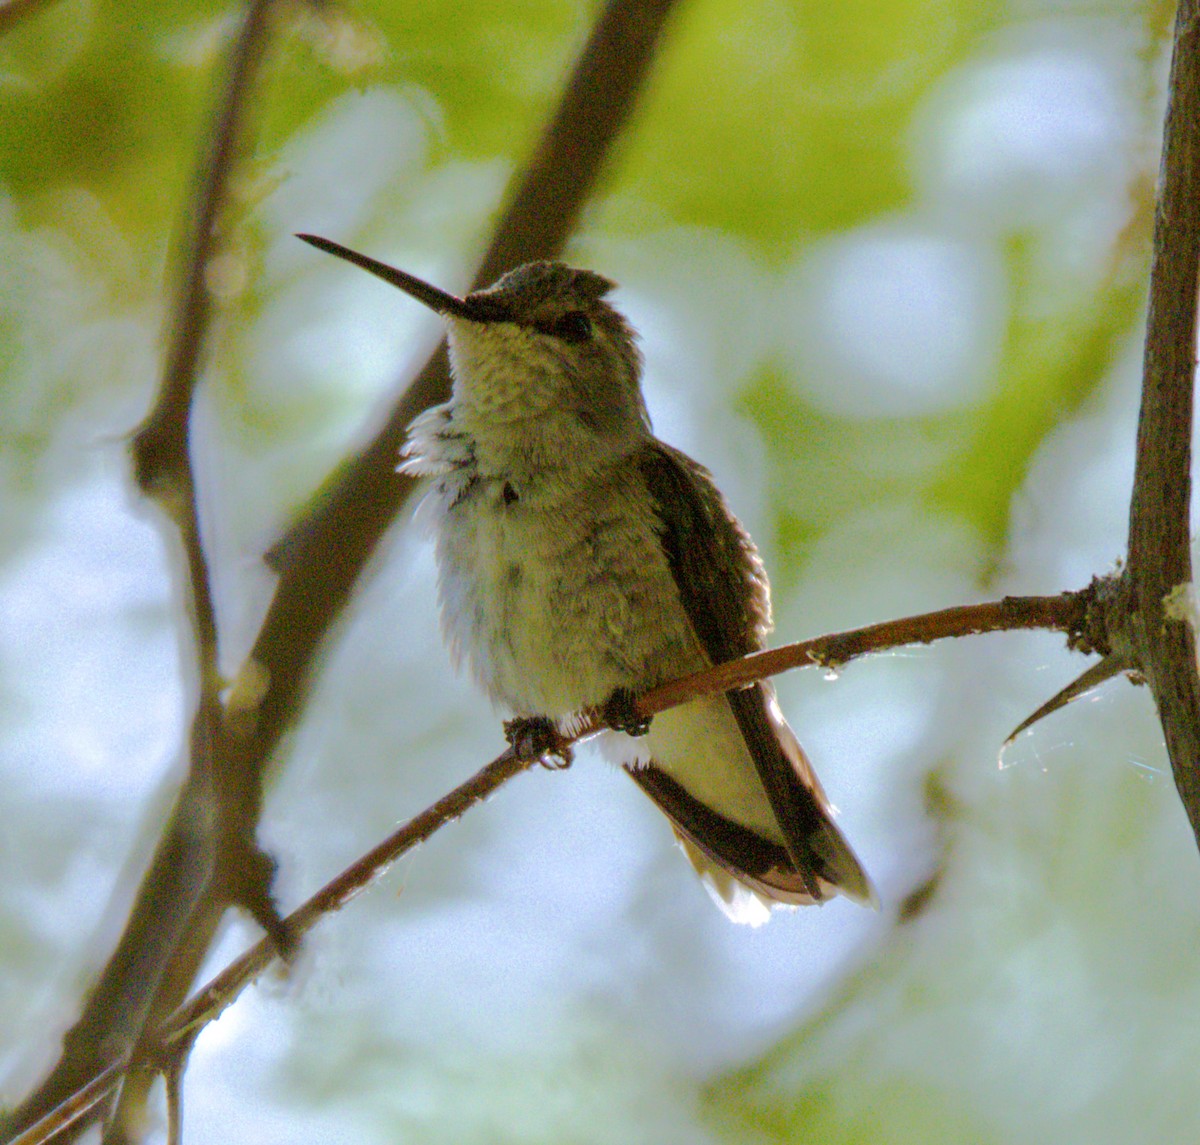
(582, 561)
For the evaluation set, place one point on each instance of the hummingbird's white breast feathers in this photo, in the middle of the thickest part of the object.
(552, 594)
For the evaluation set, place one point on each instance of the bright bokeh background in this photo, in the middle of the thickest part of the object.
(888, 261)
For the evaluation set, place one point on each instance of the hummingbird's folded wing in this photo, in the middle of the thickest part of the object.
(799, 803)
(725, 595)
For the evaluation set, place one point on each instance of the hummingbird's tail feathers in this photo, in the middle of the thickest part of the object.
(737, 901)
(745, 872)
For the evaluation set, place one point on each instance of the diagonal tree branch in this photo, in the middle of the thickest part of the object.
(119, 1006)
(1160, 638)
(12, 12)
(1067, 613)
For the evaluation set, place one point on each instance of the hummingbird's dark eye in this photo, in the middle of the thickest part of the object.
(574, 326)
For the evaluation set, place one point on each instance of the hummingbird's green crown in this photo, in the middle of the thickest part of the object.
(538, 285)
(586, 342)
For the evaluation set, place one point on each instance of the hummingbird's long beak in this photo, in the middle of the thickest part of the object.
(440, 300)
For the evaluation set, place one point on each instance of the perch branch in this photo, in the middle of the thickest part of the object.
(1065, 613)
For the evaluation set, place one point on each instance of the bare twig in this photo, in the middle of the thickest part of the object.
(173, 1069)
(1065, 613)
(162, 466)
(12, 12)
(159, 446)
(228, 866)
(121, 1003)
(1162, 639)
(75, 1106)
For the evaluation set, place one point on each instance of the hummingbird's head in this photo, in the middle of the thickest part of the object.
(540, 341)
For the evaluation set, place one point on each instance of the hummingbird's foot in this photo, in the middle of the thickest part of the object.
(621, 714)
(538, 737)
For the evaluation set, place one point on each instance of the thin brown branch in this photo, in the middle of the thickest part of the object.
(12, 12)
(228, 866)
(209, 1002)
(159, 445)
(213, 999)
(75, 1107)
(1065, 613)
(1162, 638)
(120, 1005)
(610, 73)
(172, 1070)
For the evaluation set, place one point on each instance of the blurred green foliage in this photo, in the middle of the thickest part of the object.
(776, 122)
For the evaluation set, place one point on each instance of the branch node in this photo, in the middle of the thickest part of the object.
(1103, 604)
(827, 660)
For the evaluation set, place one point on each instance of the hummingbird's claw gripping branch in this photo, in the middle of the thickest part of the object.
(537, 737)
(621, 714)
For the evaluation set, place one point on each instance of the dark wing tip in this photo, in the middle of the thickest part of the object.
(841, 868)
(758, 864)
